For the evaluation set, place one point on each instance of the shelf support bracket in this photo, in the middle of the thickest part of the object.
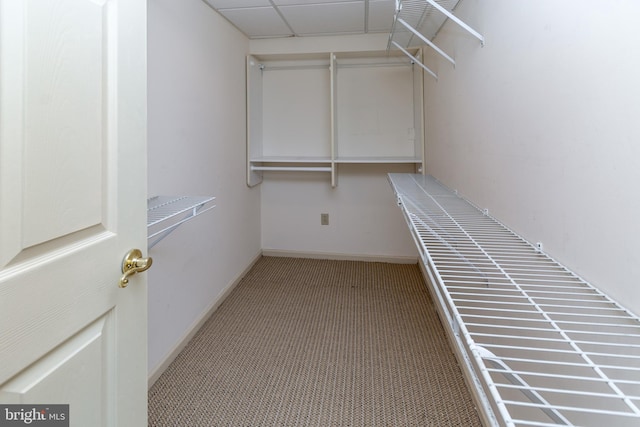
(427, 41)
(516, 379)
(457, 20)
(416, 60)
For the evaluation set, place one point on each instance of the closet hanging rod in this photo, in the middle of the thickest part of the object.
(377, 64)
(294, 67)
(291, 168)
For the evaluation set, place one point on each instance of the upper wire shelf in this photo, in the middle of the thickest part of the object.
(166, 213)
(417, 22)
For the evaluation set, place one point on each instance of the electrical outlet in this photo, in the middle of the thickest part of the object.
(324, 219)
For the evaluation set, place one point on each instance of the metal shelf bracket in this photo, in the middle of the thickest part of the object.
(416, 60)
(416, 20)
(457, 20)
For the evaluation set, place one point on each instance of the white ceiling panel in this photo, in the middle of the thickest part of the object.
(326, 18)
(381, 15)
(286, 18)
(257, 22)
(304, 2)
(236, 4)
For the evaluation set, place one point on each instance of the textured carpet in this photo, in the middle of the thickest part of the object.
(303, 342)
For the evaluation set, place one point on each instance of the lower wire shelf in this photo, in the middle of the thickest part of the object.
(542, 346)
(166, 213)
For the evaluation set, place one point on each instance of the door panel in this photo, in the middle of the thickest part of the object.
(72, 203)
(59, 109)
(65, 45)
(81, 364)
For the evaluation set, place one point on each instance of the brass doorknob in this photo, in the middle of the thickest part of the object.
(133, 263)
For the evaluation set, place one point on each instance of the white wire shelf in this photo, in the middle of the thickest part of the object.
(417, 22)
(543, 346)
(166, 213)
(421, 16)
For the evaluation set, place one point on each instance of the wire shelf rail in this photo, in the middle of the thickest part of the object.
(542, 346)
(166, 213)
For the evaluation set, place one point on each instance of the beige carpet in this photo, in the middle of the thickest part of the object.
(304, 342)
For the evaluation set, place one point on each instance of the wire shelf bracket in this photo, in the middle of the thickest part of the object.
(415, 60)
(166, 213)
(416, 21)
(540, 345)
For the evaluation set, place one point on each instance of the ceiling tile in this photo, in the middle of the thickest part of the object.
(236, 4)
(326, 18)
(257, 22)
(381, 15)
(308, 2)
(260, 18)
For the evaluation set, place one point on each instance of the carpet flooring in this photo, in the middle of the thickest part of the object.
(305, 342)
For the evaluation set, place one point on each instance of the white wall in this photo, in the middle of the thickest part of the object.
(197, 147)
(322, 44)
(542, 126)
(364, 221)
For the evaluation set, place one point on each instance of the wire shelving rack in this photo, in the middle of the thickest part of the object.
(166, 213)
(542, 346)
(417, 22)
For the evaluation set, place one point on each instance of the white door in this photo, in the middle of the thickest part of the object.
(72, 203)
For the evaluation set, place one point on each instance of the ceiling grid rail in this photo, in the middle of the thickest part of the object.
(417, 22)
(543, 346)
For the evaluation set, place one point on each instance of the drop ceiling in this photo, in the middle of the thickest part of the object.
(416, 22)
(299, 18)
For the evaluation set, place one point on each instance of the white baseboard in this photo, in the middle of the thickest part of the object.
(341, 256)
(196, 325)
